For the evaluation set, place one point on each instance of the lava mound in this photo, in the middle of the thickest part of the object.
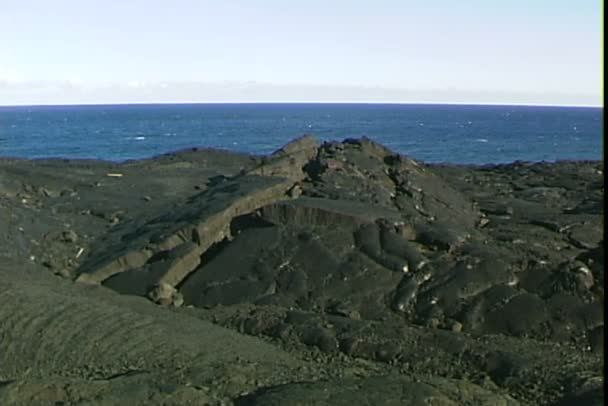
(353, 232)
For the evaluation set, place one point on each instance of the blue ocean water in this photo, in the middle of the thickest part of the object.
(431, 133)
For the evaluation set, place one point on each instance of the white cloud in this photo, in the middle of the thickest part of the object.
(11, 77)
(137, 84)
(76, 82)
(76, 91)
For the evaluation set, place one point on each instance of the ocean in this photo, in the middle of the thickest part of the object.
(464, 134)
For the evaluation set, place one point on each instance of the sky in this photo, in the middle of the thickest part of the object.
(467, 51)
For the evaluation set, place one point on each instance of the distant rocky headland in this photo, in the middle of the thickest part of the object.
(335, 273)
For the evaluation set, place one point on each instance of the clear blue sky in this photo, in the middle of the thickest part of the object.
(69, 51)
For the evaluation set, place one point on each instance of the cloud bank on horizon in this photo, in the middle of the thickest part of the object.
(77, 92)
(520, 52)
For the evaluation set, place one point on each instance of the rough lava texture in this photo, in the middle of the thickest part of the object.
(335, 273)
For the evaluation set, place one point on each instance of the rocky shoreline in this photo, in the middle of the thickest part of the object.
(334, 273)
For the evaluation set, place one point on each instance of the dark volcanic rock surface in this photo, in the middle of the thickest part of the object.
(470, 285)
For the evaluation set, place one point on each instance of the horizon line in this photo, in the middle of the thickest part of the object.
(126, 103)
